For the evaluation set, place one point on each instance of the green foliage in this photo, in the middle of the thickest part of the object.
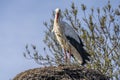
(99, 30)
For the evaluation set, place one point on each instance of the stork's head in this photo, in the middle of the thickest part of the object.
(57, 13)
(57, 10)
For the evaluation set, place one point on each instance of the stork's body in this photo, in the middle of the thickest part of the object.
(69, 40)
(61, 38)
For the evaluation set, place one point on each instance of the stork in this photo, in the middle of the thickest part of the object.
(69, 40)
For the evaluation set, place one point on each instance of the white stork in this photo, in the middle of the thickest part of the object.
(69, 40)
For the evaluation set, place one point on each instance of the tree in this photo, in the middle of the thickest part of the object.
(99, 30)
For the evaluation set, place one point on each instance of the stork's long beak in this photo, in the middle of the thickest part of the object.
(57, 17)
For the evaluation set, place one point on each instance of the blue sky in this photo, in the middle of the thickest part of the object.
(21, 23)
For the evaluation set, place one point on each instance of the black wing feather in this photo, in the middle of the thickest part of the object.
(79, 48)
(81, 43)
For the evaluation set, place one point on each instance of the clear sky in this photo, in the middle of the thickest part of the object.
(21, 23)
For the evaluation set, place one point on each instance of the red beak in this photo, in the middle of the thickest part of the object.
(57, 16)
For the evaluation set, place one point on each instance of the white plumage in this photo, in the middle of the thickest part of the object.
(69, 40)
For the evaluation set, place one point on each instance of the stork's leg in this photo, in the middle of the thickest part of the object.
(69, 55)
(65, 55)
